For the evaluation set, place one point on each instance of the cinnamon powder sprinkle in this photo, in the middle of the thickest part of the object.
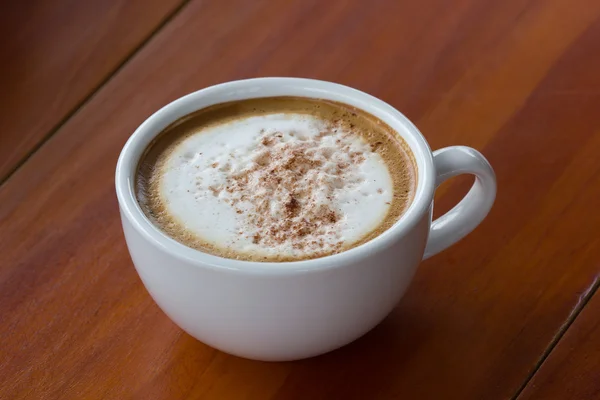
(288, 190)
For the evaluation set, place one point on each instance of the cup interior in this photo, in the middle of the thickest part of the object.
(272, 87)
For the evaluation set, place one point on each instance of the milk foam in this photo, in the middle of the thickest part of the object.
(214, 183)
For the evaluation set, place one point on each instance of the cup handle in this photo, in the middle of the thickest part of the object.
(472, 209)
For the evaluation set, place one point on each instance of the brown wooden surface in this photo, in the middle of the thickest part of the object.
(516, 79)
(572, 371)
(55, 53)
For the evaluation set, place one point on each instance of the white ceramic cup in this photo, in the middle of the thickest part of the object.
(292, 310)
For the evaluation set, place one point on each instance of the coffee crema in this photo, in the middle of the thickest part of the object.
(276, 179)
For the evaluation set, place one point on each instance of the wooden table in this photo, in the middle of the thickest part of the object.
(511, 312)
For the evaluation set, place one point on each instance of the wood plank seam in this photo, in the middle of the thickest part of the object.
(94, 90)
(585, 298)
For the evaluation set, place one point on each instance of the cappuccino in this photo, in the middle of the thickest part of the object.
(276, 179)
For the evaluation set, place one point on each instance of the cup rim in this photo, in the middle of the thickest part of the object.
(250, 88)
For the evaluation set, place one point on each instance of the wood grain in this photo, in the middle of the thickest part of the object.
(516, 79)
(54, 54)
(572, 371)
